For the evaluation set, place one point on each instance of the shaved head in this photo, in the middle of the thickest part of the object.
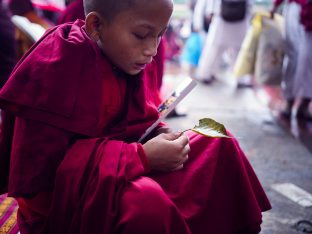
(107, 8)
(110, 8)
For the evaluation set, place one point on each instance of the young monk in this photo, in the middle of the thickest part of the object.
(82, 97)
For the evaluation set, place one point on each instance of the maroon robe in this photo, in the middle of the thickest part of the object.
(7, 62)
(77, 122)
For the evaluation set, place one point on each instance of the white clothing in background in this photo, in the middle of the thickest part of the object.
(303, 76)
(293, 38)
(202, 7)
(221, 36)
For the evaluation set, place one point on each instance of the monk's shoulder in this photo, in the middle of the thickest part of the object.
(66, 43)
(70, 34)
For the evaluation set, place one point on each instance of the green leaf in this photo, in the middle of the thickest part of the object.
(210, 128)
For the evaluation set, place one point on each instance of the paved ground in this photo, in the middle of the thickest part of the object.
(276, 155)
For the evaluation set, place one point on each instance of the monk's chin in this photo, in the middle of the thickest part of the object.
(133, 72)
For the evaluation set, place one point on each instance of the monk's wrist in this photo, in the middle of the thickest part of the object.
(143, 157)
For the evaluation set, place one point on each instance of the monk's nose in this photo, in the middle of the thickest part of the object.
(151, 48)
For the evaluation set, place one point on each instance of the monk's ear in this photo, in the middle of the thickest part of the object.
(93, 23)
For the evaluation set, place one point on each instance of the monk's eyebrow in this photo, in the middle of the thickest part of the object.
(150, 27)
(147, 26)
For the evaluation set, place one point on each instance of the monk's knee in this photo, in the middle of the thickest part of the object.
(145, 198)
(145, 206)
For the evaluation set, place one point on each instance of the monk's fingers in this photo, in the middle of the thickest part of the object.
(185, 158)
(180, 164)
(186, 149)
(182, 140)
(183, 153)
(163, 130)
(171, 136)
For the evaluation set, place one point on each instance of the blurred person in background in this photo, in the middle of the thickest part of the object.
(303, 76)
(229, 23)
(296, 80)
(74, 10)
(201, 16)
(172, 43)
(193, 44)
(36, 16)
(191, 5)
(50, 13)
(191, 52)
(26, 8)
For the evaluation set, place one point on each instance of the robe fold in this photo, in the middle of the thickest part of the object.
(93, 183)
(77, 122)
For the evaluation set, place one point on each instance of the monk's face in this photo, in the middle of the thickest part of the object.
(131, 39)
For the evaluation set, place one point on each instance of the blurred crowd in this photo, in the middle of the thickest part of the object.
(256, 46)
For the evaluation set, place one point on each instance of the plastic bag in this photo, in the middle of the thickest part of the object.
(270, 53)
(246, 57)
(261, 53)
(192, 49)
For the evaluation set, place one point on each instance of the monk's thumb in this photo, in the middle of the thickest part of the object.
(172, 136)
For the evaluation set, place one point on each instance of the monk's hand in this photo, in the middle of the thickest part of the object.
(159, 131)
(167, 152)
(163, 129)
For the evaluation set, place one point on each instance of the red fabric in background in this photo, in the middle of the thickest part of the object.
(306, 14)
(72, 12)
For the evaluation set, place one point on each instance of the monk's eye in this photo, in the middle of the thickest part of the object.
(140, 36)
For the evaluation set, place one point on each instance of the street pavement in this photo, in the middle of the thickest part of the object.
(281, 160)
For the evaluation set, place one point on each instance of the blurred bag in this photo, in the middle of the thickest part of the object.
(261, 52)
(270, 53)
(245, 61)
(192, 49)
(233, 10)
